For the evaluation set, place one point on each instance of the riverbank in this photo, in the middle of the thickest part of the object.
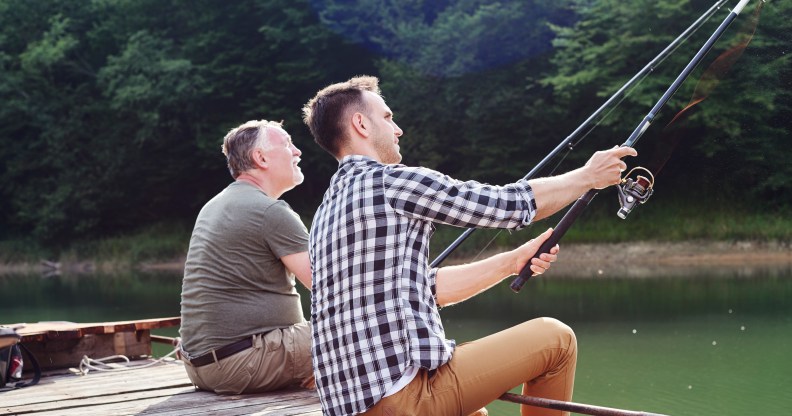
(645, 259)
(631, 259)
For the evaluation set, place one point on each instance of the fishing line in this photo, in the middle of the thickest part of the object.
(707, 83)
(638, 188)
(621, 95)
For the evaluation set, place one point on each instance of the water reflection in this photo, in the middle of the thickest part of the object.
(89, 297)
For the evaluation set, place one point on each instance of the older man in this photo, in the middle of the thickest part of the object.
(242, 325)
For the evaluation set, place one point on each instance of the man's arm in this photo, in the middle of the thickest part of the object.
(455, 284)
(300, 265)
(603, 169)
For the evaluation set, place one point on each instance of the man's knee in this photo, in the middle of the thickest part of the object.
(556, 332)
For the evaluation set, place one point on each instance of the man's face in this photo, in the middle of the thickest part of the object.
(386, 133)
(282, 157)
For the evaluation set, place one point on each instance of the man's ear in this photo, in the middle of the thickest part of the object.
(257, 155)
(360, 124)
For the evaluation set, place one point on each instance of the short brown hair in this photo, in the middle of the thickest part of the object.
(324, 113)
(240, 141)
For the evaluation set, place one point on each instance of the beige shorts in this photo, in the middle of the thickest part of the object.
(280, 358)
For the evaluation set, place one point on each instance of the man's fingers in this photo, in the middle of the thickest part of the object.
(623, 151)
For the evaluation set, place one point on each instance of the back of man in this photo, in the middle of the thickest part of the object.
(234, 285)
(243, 330)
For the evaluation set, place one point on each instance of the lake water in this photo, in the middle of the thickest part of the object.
(692, 345)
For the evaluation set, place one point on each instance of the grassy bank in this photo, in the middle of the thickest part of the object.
(661, 221)
(157, 243)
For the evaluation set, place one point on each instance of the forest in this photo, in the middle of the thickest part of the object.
(112, 112)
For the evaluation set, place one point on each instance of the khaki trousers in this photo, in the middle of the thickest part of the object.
(281, 358)
(541, 354)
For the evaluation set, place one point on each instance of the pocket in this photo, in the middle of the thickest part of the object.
(273, 340)
(301, 344)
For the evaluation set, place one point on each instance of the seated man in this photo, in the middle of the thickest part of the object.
(242, 326)
(378, 344)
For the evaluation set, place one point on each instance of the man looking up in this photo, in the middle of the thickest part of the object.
(378, 342)
(242, 326)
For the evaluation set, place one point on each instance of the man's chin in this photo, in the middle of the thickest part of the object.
(394, 159)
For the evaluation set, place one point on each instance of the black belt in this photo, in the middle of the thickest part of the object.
(223, 352)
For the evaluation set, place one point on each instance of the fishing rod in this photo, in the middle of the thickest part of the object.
(631, 192)
(585, 409)
(568, 142)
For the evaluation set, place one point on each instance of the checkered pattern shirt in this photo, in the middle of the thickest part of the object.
(373, 306)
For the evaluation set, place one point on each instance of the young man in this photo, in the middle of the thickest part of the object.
(242, 325)
(378, 342)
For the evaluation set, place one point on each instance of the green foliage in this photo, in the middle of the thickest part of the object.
(112, 111)
(735, 138)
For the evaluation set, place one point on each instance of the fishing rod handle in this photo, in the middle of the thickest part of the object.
(558, 233)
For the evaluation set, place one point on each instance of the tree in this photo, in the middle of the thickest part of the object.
(731, 134)
(114, 111)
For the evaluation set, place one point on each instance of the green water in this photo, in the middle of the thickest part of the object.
(694, 345)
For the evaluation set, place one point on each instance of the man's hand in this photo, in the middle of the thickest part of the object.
(526, 251)
(604, 168)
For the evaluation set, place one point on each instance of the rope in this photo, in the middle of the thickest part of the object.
(98, 364)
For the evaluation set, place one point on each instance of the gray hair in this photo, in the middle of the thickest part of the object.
(241, 141)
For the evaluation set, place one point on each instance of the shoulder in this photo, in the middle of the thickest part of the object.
(282, 209)
(401, 175)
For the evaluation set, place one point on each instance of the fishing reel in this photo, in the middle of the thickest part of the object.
(633, 192)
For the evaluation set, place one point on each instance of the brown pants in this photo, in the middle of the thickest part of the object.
(281, 358)
(541, 353)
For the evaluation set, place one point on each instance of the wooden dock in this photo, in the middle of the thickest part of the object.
(162, 389)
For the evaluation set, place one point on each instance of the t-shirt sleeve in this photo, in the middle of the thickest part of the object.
(287, 234)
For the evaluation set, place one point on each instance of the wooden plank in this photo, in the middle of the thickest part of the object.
(43, 331)
(162, 390)
(64, 353)
(277, 403)
(70, 386)
(83, 402)
(87, 390)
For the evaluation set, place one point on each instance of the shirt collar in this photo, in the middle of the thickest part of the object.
(350, 161)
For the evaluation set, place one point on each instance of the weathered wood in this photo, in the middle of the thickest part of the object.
(63, 353)
(46, 331)
(163, 389)
(89, 401)
(67, 387)
(63, 344)
(164, 340)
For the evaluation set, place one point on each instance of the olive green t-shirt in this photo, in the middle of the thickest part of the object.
(234, 283)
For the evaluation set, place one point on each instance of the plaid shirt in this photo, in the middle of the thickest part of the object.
(373, 306)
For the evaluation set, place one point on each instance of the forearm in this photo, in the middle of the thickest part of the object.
(554, 193)
(603, 169)
(300, 265)
(455, 284)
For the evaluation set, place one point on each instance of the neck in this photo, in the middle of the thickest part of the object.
(360, 151)
(259, 183)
